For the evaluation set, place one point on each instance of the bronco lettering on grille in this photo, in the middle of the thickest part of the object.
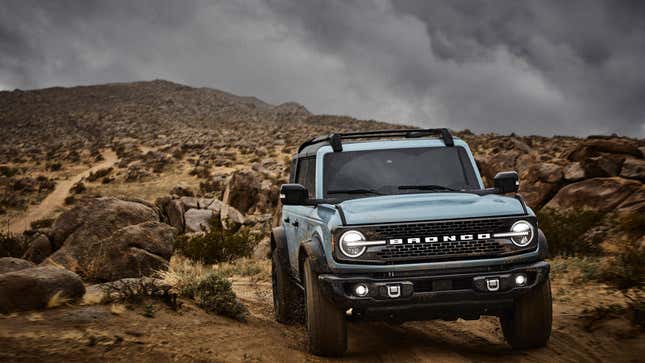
(436, 239)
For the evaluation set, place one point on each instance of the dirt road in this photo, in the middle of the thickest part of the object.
(98, 333)
(56, 198)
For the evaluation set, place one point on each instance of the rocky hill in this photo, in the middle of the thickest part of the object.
(113, 182)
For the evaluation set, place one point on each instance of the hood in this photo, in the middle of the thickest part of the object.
(428, 206)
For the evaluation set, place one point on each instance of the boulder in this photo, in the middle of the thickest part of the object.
(635, 203)
(231, 218)
(173, 212)
(33, 288)
(633, 169)
(242, 189)
(216, 206)
(490, 165)
(600, 194)
(600, 166)
(549, 172)
(189, 202)
(94, 219)
(594, 147)
(198, 220)
(573, 172)
(130, 251)
(263, 249)
(39, 249)
(10, 264)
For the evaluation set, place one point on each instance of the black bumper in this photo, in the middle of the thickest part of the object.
(464, 294)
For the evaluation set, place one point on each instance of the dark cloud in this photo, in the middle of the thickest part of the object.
(547, 67)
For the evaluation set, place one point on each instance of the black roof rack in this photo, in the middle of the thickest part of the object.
(335, 140)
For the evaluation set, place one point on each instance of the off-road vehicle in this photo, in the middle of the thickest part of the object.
(398, 226)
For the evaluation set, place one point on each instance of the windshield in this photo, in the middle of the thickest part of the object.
(397, 171)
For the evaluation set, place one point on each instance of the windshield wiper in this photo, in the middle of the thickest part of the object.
(354, 191)
(433, 187)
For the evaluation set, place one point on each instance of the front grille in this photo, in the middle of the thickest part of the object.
(440, 250)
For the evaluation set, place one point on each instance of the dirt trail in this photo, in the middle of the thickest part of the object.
(56, 198)
(98, 334)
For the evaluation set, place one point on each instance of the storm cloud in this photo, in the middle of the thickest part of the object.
(530, 67)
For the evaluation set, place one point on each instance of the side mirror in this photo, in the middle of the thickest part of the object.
(507, 182)
(293, 194)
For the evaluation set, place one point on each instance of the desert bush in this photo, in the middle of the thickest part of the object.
(213, 293)
(8, 171)
(94, 176)
(78, 188)
(209, 289)
(218, 245)
(12, 245)
(579, 269)
(135, 290)
(626, 269)
(42, 223)
(56, 166)
(564, 230)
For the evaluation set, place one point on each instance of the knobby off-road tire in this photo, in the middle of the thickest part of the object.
(287, 296)
(528, 324)
(326, 325)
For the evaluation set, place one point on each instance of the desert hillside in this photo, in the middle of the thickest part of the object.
(118, 181)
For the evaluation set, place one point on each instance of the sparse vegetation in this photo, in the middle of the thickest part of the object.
(218, 245)
(11, 245)
(101, 173)
(42, 223)
(209, 289)
(564, 230)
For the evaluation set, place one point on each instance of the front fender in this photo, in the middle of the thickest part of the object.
(279, 243)
(543, 245)
(314, 251)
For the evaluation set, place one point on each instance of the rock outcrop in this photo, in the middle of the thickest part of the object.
(34, 288)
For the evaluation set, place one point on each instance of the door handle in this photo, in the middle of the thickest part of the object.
(295, 224)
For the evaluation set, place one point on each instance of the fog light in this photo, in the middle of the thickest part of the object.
(361, 290)
(520, 280)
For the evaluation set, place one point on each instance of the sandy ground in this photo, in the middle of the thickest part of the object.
(100, 333)
(56, 198)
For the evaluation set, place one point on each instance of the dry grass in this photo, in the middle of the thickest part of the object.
(117, 309)
(57, 300)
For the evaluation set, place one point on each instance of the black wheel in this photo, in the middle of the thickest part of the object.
(287, 296)
(326, 325)
(528, 324)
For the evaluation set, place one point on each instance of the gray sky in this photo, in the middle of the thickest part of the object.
(545, 67)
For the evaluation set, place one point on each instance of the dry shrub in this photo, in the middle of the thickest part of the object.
(209, 289)
(564, 230)
(218, 245)
(12, 245)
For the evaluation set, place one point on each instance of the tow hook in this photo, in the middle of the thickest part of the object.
(492, 284)
(394, 291)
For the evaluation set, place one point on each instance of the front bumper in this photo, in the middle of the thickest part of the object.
(464, 294)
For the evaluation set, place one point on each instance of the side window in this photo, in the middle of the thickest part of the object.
(306, 174)
(292, 171)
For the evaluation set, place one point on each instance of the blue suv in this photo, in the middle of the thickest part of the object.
(398, 226)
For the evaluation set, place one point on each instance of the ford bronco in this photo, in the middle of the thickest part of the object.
(397, 226)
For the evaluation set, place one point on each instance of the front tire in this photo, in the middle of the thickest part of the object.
(528, 324)
(287, 296)
(326, 325)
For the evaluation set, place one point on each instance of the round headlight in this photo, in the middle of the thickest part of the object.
(345, 244)
(524, 230)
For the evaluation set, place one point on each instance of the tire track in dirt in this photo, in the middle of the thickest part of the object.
(56, 198)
